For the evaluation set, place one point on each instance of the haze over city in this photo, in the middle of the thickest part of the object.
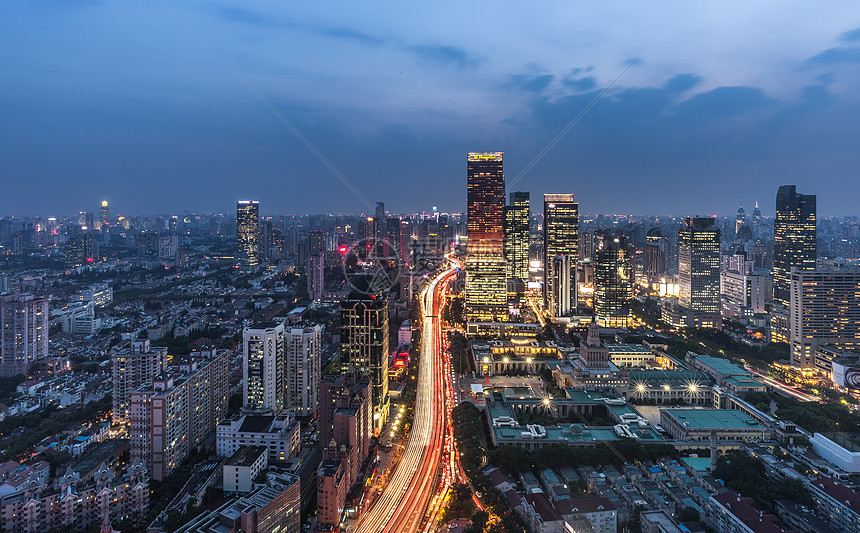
(136, 104)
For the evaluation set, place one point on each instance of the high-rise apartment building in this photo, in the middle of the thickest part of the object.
(613, 281)
(81, 250)
(23, 332)
(304, 359)
(744, 289)
(563, 276)
(177, 411)
(824, 309)
(486, 281)
(560, 237)
(699, 272)
(316, 276)
(131, 368)
(248, 232)
(364, 345)
(517, 236)
(794, 239)
(263, 366)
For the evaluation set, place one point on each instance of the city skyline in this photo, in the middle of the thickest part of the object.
(765, 111)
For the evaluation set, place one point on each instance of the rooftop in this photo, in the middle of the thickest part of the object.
(712, 419)
(247, 456)
(256, 424)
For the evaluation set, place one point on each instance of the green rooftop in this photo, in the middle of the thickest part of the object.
(721, 365)
(668, 376)
(712, 419)
(698, 464)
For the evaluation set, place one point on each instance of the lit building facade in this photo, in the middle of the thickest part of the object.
(316, 276)
(364, 345)
(794, 239)
(824, 309)
(303, 353)
(486, 281)
(699, 271)
(248, 232)
(104, 215)
(517, 235)
(560, 237)
(613, 281)
(263, 366)
(23, 332)
(130, 369)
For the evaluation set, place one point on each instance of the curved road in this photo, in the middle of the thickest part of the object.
(401, 505)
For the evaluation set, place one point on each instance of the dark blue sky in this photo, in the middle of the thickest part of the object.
(135, 104)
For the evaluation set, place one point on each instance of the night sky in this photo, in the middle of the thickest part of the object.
(134, 102)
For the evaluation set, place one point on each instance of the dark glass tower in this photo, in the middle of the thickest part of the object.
(793, 239)
(248, 232)
(486, 285)
(364, 345)
(517, 235)
(613, 283)
(699, 265)
(560, 237)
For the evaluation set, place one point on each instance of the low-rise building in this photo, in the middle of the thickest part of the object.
(280, 435)
(599, 512)
(697, 425)
(243, 467)
(839, 504)
(730, 513)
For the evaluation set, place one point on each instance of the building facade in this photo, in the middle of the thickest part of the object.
(263, 367)
(130, 369)
(248, 233)
(613, 281)
(486, 285)
(560, 237)
(794, 239)
(699, 271)
(824, 309)
(23, 332)
(280, 435)
(364, 345)
(303, 354)
(517, 235)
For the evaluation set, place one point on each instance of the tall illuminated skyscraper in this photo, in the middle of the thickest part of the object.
(613, 281)
(793, 239)
(248, 232)
(104, 215)
(560, 237)
(486, 284)
(517, 235)
(699, 271)
(263, 366)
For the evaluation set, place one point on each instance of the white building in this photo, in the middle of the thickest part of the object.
(263, 366)
(280, 435)
(242, 469)
(303, 355)
(23, 332)
(743, 289)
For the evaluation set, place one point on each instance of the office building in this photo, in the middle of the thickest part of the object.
(104, 215)
(99, 294)
(613, 283)
(81, 250)
(263, 367)
(517, 235)
(486, 283)
(248, 233)
(824, 309)
(744, 289)
(560, 237)
(279, 434)
(303, 355)
(697, 425)
(177, 411)
(561, 286)
(23, 332)
(654, 255)
(699, 272)
(345, 431)
(130, 368)
(316, 276)
(794, 239)
(364, 345)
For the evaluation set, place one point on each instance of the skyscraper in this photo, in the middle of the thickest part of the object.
(560, 237)
(104, 215)
(364, 345)
(699, 271)
(824, 309)
(316, 276)
(517, 235)
(248, 232)
(303, 358)
(23, 332)
(561, 282)
(793, 239)
(613, 281)
(263, 366)
(486, 286)
(741, 220)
